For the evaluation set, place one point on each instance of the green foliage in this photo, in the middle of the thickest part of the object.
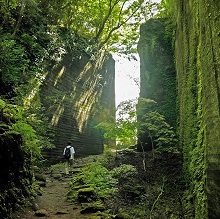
(124, 172)
(98, 177)
(107, 182)
(29, 138)
(14, 118)
(161, 132)
(26, 47)
(106, 23)
(22, 50)
(6, 9)
(145, 105)
(10, 112)
(128, 185)
(168, 8)
(126, 124)
(153, 125)
(12, 62)
(124, 129)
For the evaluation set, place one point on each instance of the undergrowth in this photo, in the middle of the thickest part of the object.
(123, 186)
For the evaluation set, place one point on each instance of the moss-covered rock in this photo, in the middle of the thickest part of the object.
(197, 56)
(92, 208)
(86, 195)
(157, 73)
(40, 177)
(15, 171)
(15, 183)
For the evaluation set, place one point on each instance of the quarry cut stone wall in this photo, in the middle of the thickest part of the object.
(197, 52)
(197, 60)
(157, 70)
(77, 94)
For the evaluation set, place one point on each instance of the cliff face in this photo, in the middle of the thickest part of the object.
(15, 171)
(197, 54)
(77, 94)
(197, 59)
(157, 70)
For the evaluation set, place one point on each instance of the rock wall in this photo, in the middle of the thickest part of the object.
(77, 94)
(197, 60)
(15, 169)
(157, 70)
(197, 54)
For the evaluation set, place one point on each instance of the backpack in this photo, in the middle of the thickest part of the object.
(67, 153)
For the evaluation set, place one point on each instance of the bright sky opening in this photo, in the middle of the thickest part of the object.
(127, 77)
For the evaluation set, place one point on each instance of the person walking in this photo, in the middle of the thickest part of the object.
(68, 154)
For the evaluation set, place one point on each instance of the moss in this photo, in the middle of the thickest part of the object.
(16, 175)
(86, 194)
(197, 65)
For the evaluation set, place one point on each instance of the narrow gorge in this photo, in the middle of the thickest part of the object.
(58, 83)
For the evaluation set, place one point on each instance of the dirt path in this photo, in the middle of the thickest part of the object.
(52, 203)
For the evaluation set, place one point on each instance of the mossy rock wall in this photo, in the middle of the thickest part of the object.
(157, 69)
(197, 53)
(15, 171)
(77, 94)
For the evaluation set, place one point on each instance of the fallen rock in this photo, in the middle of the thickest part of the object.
(41, 213)
(40, 177)
(92, 209)
(56, 175)
(86, 195)
(41, 184)
(62, 212)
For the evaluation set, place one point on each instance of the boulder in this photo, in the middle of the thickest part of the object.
(40, 177)
(86, 195)
(41, 213)
(93, 208)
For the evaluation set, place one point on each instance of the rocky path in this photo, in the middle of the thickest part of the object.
(52, 203)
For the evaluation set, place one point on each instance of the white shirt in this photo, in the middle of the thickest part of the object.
(72, 151)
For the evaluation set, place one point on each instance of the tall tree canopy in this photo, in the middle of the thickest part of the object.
(110, 24)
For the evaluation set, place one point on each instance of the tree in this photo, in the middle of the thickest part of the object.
(154, 133)
(153, 130)
(111, 24)
(124, 130)
(153, 124)
(25, 46)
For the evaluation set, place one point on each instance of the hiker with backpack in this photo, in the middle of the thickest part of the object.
(68, 154)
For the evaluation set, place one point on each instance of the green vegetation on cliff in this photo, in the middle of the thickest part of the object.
(18, 148)
(196, 37)
(157, 84)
